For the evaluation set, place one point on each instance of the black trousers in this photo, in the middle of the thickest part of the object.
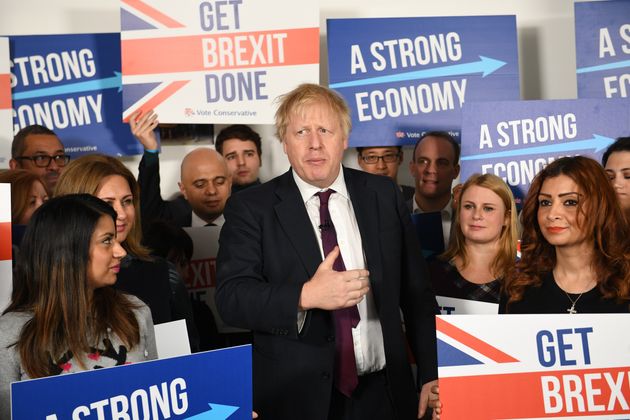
(370, 400)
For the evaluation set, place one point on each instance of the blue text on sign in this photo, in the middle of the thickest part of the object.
(563, 344)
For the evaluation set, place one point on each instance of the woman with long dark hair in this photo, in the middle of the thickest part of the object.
(65, 316)
(575, 244)
(142, 274)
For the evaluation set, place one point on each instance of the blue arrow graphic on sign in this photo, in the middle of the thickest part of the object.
(597, 143)
(216, 412)
(98, 84)
(485, 66)
(609, 66)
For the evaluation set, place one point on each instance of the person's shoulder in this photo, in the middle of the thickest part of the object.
(181, 203)
(440, 269)
(371, 180)
(407, 192)
(263, 192)
(547, 280)
(438, 264)
(14, 318)
(11, 325)
(160, 262)
(149, 275)
(139, 308)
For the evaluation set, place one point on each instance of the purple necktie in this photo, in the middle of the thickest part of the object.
(346, 378)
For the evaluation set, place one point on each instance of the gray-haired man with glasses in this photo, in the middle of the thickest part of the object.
(384, 160)
(38, 149)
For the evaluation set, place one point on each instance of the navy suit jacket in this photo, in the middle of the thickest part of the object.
(268, 250)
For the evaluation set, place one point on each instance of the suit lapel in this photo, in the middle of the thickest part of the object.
(294, 221)
(364, 201)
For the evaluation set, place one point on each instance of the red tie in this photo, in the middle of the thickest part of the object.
(346, 378)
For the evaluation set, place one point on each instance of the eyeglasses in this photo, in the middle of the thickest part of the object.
(43, 161)
(388, 158)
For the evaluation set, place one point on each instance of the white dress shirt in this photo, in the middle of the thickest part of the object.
(369, 350)
(197, 221)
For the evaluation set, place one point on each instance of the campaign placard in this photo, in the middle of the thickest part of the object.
(6, 271)
(211, 385)
(216, 61)
(455, 306)
(534, 366)
(171, 339)
(6, 126)
(402, 77)
(201, 277)
(602, 47)
(516, 139)
(72, 85)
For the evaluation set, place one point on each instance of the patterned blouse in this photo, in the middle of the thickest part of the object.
(109, 352)
(447, 281)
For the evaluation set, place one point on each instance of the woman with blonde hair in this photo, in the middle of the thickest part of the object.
(64, 315)
(575, 246)
(483, 243)
(141, 274)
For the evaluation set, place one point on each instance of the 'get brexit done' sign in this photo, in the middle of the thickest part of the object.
(516, 139)
(216, 61)
(602, 44)
(404, 76)
(214, 385)
(534, 366)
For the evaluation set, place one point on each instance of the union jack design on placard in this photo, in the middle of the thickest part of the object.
(226, 61)
(533, 367)
(137, 15)
(456, 347)
(148, 95)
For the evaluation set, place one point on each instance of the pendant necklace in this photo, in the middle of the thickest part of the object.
(572, 310)
(574, 302)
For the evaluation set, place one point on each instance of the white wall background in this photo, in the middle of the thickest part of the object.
(545, 36)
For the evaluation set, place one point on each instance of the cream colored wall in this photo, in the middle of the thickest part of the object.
(545, 33)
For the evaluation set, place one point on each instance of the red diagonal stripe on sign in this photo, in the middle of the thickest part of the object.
(240, 50)
(473, 342)
(5, 91)
(160, 97)
(553, 394)
(153, 13)
(5, 241)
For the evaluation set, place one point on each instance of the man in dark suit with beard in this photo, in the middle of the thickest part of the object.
(318, 263)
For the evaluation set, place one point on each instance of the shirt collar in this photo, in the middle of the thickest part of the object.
(447, 210)
(196, 221)
(307, 191)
